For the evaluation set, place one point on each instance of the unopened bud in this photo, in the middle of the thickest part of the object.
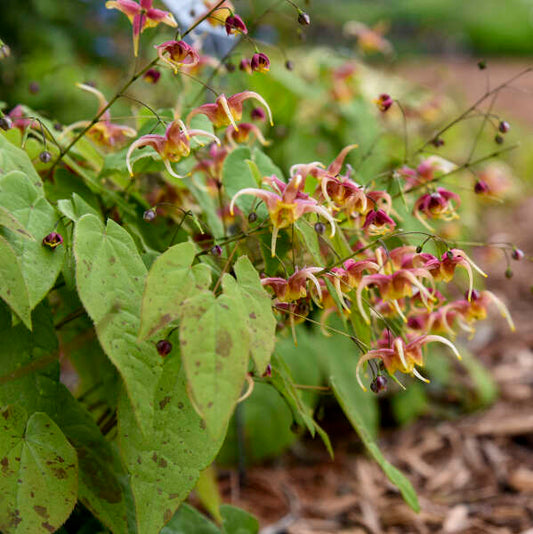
(508, 273)
(437, 142)
(482, 64)
(504, 127)
(5, 123)
(164, 347)
(481, 187)
(517, 254)
(34, 88)
(289, 65)
(303, 18)
(45, 156)
(252, 217)
(498, 139)
(379, 384)
(216, 250)
(320, 228)
(149, 215)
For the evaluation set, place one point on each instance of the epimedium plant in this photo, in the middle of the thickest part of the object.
(157, 276)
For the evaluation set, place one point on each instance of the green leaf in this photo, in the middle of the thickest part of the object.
(282, 380)
(265, 165)
(214, 342)
(26, 203)
(260, 319)
(170, 281)
(188, 520)
(236, 175)
(75, 208)
(208, 493)
(110, 278)
(39, 482)
(238, 521)
(8, 221)
(348, 401)
(13, 158)
(12, 286)
(165, 464)
(310, 239)
(30, 374)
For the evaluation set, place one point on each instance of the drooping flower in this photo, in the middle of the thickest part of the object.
(436, 205)
(234, 24)
(384, 101)
(260, 63)
(287, 205)
(397, 355)
(142, 15)
(177, 54)
(225, 111)
(295, 287)
(172, 147)
(152, 76)
(104, 132)
(247, 133)
(395, 286)
(377, 222)
(53, 240)
(220, 12)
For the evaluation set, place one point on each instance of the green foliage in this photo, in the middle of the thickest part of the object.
(38, 465)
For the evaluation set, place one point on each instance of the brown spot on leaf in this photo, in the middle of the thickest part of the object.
(167, 516)
(164, 402)
(253, 316)
(162, 463)
(48, 527)
(60, 473)
(4, 462)
(224, 344)
(42, 511)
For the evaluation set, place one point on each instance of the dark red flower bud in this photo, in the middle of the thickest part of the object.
(5, 123)
(268, 371)
(258, 114)
(384, 102)
(379, 384)
(504, 127)
(58, 127)
(164, 347)
(517, 254)
(498, 139)
(289, 65)
(252, 217)
(53, 240)
(45, 156)
(234, 24)
(216, 250)
(481, 187)
(320, 228)
(437, 142)
(303, 18)
(34, 88)
(260, 62)
(152, 76)
(230, 67)
(149, 215)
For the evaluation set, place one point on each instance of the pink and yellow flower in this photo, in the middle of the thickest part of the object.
(295, 287)
(172, 147)
(436, 205)
(177, 54)
(142, 15)
(287, 205)
(225, 111)
(104, 132)
(397, 355)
